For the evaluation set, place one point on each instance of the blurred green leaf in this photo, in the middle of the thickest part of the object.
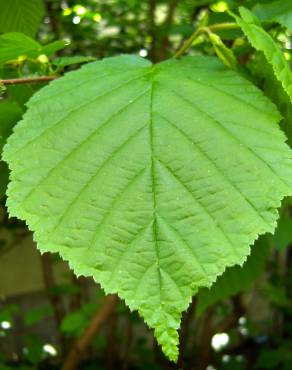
(21, 16)
(53, 47)
(10, 114)
(20, 94)
(74, 323)
(276, 295)
(63, 62)
(36, 315)
(262, 41)
(33, 350)
(267, 81)
(280, 358)
(89, 309)
(18, 47)
(275, 11)
(15, 45)
(223, 52)
(63, 289)
(283, 234)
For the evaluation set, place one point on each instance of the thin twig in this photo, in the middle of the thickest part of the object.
(212, 28)
(28, 80)
(75, 355)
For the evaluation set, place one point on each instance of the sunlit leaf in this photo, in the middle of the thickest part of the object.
(151, 179)
(262, 41)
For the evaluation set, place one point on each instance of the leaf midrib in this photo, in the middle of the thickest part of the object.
(154, 205)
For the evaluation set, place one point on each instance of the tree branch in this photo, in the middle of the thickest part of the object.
(53, 22)
(152, 33)
(75, 355)
(28, 80)
(167, 25)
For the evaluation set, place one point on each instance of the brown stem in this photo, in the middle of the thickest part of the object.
(27, 80)
(152, 33)
(75, 355)
(53, 22)
(50, 284)
(232, 320)
(167, 25)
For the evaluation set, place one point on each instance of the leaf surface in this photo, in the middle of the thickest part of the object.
(262, 41)
(151, 179)
(21, 16)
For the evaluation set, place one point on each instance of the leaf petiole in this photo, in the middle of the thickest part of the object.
(212, 28)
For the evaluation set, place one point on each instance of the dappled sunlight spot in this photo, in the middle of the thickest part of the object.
(143, 53)
(5, 325)
(97, 17)
(49, 349)
(79, 9)
(67, 12)
(219, 341)
(76, 19)
(219, 7)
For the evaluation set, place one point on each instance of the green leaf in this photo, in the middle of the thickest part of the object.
(10, 114)
(223, 52)
(53, 47)
(33, 350)
(264, 74)
(151, 179)
(283, 233)
(236, 279)
(262, 41)
(14, 45)
(36, 315)
(275, 11)
(74, 323)
(63, 62)
(21, 16)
